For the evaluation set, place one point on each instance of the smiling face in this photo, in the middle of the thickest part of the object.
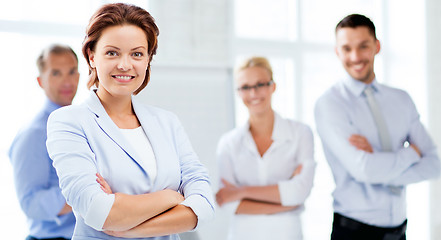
(257, 100)
(59, 78)
(121, 59)
(356, 49)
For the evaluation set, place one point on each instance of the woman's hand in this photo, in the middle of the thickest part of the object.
(297, 171)
(228, 193)
(122, 234)
(104, 185)
(173, 221)
(172, 194)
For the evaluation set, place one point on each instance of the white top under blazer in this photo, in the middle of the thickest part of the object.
(138, 139)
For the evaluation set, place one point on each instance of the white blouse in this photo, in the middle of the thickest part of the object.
(241, 164)
(139, 141)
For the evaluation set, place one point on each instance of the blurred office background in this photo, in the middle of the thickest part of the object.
(199, 44)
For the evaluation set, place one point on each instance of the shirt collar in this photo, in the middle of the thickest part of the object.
(356, 87)
(280, 131)
(50, 106)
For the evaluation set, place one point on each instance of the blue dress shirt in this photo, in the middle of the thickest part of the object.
(83, 140)
(363, 180)
(36, 181)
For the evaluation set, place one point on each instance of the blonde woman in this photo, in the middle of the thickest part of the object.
(267, 165)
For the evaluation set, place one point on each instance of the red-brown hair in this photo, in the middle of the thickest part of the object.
(114, 15)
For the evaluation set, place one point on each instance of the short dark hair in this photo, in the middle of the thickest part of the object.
(119, 14)
(53, 49)
(357, 20)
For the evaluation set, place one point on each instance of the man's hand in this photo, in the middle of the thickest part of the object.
(361, 143)
(417, 150)
(66, 209)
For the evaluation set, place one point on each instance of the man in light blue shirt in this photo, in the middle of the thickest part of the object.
(373, 140)
(36, 182)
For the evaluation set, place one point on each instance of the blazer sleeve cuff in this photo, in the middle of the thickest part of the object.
(201, 207)
(98, 211)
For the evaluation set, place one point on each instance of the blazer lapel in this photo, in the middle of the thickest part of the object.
(110, 129)
(161, 147)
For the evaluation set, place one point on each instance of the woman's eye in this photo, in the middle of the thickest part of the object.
(138, 54)
(111, 53)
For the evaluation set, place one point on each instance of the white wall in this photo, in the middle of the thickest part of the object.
(433, 68)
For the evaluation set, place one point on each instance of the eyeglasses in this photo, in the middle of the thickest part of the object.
(257, 87)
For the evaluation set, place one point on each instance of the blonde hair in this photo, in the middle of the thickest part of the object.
(255, 62)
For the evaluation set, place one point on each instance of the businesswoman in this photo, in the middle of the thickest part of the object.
(267, 165)
(142, 152)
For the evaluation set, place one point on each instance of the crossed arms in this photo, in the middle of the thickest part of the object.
(147, 215)
(284, 195)
(254, 199)
(408, 164)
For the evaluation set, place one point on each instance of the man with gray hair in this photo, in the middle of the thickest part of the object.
(36, 182)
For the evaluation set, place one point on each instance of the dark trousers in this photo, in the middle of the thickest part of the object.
(32, 238)
(344, 228)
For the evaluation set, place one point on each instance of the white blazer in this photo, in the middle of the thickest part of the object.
(83, 140)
